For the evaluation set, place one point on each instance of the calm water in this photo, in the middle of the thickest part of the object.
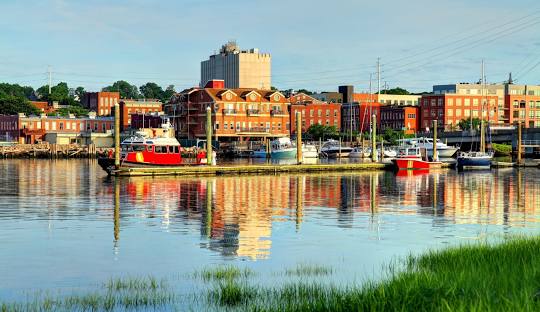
(65, 225)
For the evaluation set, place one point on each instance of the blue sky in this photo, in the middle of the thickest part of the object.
(314, 44)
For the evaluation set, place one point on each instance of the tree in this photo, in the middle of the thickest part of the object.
(465, 124)
(127, 90)
(79, 93)
(16, 90)
(318, 131)
(11, 105)
(58, 92)
(396, 91)
(151, 90)
(304, 91)
(168, 94)
(273, 88)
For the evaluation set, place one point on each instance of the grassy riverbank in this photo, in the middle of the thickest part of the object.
(484, 277)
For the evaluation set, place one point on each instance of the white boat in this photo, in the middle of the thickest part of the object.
(359, 152)
(282, 148)
(443, 150)
(309, 151)
(332, 149)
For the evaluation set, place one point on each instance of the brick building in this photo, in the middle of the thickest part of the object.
(236, 113)
(357, 115)
(404, 118)
(31, 129)
(129, 107)
(100, 102)
(314, 112)
(449, 109)
(44, 106)
(523, 105)
(9, 128)
(142, 121)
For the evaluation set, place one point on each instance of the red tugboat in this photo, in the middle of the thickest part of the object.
(141, 151)
(410, 158)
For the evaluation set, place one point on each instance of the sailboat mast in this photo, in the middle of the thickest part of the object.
(482, 135)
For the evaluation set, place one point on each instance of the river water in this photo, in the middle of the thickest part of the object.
(65, 225)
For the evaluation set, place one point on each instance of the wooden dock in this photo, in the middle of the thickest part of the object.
(247, 169)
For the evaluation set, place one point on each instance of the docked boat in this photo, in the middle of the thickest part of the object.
(332, 149)
(359, 152)
(282, 148)
(414, 158)
(443, 150)
(474, 160)
(259, 153)
(309, 151)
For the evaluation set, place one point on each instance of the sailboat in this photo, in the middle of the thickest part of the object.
(480, 159)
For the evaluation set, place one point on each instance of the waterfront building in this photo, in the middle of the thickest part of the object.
(147, 120)
(238, 68)
(100, 102)
(522, 105)
(314, 112)
(449, 109)
(61, 130)
(9, 128)
(404, 118)
(357, 116)
(237, 114)
(143, 106)
(397, 99)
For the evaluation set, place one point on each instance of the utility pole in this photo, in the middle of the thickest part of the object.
(50, 78)
(370, 105)
(378, 77)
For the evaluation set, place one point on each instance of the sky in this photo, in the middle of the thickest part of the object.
(315, 44)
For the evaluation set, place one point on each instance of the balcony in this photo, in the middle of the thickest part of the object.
(229, 111)
(253, 130)
(277, 112)
(252, 112)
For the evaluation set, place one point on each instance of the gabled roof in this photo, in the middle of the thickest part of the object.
(223, 92)
(302, 98)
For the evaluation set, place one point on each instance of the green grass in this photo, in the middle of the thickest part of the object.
(304, 269)
(486, 277)
(223, 273)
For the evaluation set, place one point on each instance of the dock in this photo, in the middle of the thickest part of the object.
(247, 169)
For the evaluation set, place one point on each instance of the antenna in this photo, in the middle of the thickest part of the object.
(50, 77)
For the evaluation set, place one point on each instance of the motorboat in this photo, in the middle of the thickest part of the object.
(333, 149)
(259, 153)
(282, 148)
(414, 158)
(359, 152)
(474, 160)
(443, 150)
(309, 151)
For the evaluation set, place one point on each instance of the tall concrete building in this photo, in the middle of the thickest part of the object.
(239, 68)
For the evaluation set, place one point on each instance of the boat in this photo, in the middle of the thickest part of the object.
(332, 149)
(443, 150)
(414, 158)
(259, 153)
(359, 152)
(282, 148)
(480, 159)
(474, 160)
(309, 151)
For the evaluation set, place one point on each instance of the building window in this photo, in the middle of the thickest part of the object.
(311, 113)
(319, 112)
(237, 126)
(450, 102)
(327, 113)
(475, 102)
(103, 127)
(467, 102)
(95, 126)
(217, 125)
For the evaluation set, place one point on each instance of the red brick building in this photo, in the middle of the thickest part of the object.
(100, 102)
(450, 109)
(9, 128)
(129, 107)
(141, 121)
(236, 113)
(358, 115)
(314, 112)
(404, 118)
(43, 106)
(523, 108)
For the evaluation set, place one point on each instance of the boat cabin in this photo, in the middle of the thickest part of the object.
(155, 151)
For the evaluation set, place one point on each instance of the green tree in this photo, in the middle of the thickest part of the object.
(151, 90)
(465, 124)
(168, 93)
(16, 90)
(79, 93)
(58, 92)
(396, 91)
(307, 92)
(127, 90)
(11, 105)
(317, 131)
(392, 136)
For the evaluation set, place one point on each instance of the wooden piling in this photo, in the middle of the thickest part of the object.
(208, 136)
(519, 144)
(374, 138)
(298, 137)
(435, 154)
(117, 135)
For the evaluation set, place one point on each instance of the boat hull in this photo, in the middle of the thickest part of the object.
(474, 163)
(443, 153)
(415, 164)
(283, 154)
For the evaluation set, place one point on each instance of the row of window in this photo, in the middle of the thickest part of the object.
(523, 104)
(8, 125)
(108, 102)
(319, 112)
(521, 114)
(250, 125)
(394, 115)
(52, 125)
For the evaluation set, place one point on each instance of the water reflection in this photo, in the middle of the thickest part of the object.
(237, 216)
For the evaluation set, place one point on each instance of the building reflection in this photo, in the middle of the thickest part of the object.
(237, 216)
